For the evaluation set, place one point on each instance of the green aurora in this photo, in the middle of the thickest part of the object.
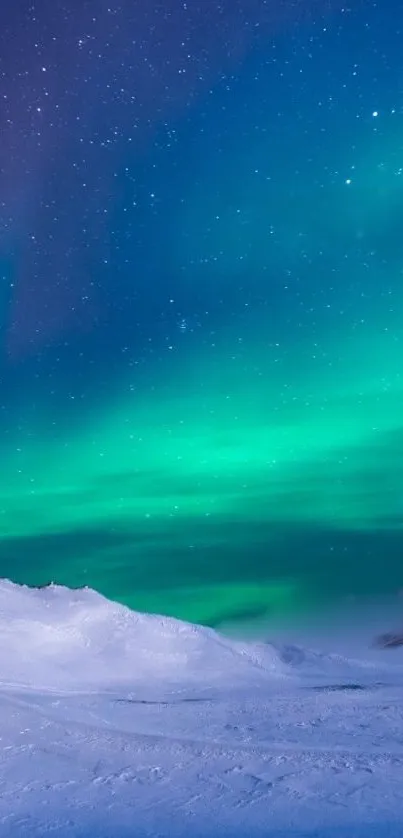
(237, 458)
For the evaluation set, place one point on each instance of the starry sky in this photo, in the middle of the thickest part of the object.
(201, 263)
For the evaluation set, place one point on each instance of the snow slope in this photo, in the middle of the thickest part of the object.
(114, 723)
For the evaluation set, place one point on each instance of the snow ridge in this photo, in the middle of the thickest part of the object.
(57, 638)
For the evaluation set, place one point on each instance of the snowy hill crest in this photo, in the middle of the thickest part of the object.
(55, 638)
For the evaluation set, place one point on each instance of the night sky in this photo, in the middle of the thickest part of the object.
(201, 301)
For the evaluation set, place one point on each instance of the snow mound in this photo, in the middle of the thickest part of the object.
(55, 638)
(316, 663)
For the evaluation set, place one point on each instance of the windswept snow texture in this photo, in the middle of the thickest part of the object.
(116, 724)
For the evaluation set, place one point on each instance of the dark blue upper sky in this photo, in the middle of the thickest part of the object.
(111, 118)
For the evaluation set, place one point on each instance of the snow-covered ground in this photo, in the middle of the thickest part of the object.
(116, 724)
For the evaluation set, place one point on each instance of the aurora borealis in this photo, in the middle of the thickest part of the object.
(201, 304)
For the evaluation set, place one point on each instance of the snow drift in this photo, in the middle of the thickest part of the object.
(118, 723)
